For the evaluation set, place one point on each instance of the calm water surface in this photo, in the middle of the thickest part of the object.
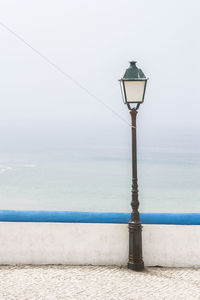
(100, 180)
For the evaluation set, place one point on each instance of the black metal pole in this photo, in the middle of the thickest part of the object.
(135, 228)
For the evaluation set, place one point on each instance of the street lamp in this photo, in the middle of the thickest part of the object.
(133, 86)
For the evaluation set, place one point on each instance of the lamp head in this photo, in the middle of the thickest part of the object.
(133, 85)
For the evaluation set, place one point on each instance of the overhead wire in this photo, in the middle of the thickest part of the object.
(59, 69)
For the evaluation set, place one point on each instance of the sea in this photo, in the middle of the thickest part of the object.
(98, 179)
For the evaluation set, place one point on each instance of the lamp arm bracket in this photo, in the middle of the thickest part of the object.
(138, 105)
(136, 108)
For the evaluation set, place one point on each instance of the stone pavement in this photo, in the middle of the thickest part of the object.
(91, 282)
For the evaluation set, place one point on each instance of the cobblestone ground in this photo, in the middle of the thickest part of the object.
(90, 282)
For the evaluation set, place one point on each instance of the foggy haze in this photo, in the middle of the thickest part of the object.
(93, 41)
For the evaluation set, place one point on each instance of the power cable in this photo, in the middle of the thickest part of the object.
(55, 66)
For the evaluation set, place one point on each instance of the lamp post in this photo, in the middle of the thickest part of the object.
(133, 86)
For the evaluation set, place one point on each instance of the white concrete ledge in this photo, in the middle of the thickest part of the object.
(96, 244)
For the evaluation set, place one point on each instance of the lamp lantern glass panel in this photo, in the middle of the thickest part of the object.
(134, 90)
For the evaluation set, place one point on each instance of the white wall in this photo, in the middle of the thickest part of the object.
(96, 244)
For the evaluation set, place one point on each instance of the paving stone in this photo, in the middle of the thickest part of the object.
(97, 282)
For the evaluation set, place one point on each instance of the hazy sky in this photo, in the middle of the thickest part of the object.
(93, 41)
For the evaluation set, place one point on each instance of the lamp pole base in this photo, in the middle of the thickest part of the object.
(136, 266)
(135, 261)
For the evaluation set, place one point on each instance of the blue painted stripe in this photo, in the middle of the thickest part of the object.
(97, 217)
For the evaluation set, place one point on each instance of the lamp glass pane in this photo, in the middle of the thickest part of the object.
(122, 90)
(134, 90)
